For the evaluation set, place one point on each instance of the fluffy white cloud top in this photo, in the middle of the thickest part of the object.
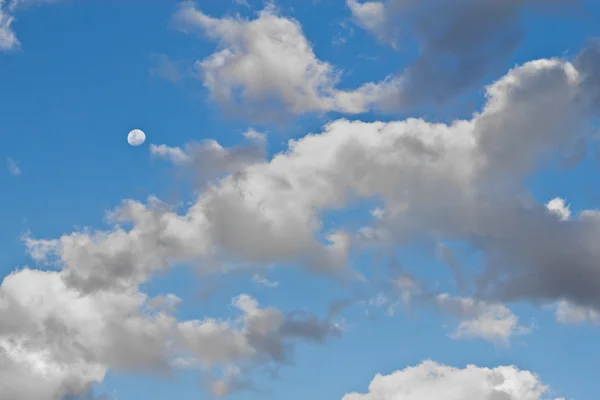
(265, 68)
(433, 381)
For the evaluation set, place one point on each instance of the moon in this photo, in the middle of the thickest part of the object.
(136, 137)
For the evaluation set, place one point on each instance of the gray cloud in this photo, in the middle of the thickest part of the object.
(588, 62)
(67, 340)
(448, 257)
(460, 42)
(209, 160)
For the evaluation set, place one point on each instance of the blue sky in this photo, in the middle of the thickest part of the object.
(394, 182)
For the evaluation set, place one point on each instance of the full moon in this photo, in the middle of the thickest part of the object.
(136, 137)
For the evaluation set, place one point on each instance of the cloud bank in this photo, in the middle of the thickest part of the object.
(463, 181)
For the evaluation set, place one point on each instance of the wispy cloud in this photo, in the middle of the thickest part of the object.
(8, 8)
(13, 167)
(261, 280)
(165, 68)
(8, 39)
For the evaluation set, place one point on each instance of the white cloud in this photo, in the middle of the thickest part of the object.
(261, 280)
(267, 62)
(371, 15)
(461, 181)
(381, 300)
(433, 381)
(569, 313)
(174, 154)
(52, 378)
(558, 207)
(242, 3)
(479, 319)
(13, 167)
(67, 340)
(409, 289)
(166, 303)
(232, 381)
(490, 321)
(8, 39)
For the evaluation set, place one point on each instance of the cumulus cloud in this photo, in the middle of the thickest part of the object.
(558, 207)
(67, 340)
(266, 67)
(430, 380)
(459, 42)
(64, 341)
